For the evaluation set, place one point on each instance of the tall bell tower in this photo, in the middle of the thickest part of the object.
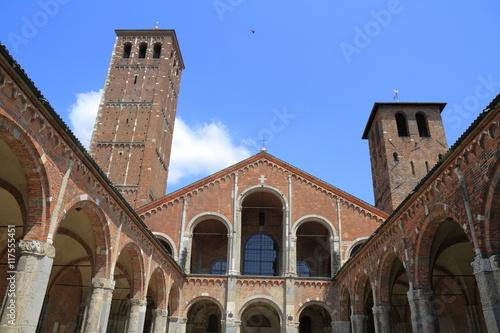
(406, 140)
(132, 135)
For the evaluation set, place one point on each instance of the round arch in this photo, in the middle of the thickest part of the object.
(262, 311)
(354, 246)
(314, 316)
(206, 216)
(34, 174)
(167, 239)
(137, 267)
(263, 188)
(421, 249)
(314, 218)
(492, 213)
(101, 232)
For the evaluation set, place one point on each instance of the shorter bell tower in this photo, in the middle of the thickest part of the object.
(405, 140)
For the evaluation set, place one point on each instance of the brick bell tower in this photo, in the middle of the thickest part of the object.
(406, 140)
(132, 135)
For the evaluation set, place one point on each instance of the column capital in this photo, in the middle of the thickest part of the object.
(161, 312)
(486, 265)
(420, 294)
(103, 283)
(36, 248)
(382, 309)
(137, 302)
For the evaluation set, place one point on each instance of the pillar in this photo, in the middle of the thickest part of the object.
(177, 325)
(341, 326)
(382, 318)
(358, 323)
(232, 326)
(27, 286)
(423, 318)
(136, 316)
(487, 273)
(98, 305)
(160, 320)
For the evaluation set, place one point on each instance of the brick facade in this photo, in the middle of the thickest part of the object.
(258, 247)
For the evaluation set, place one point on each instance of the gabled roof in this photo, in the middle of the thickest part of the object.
(263, 155)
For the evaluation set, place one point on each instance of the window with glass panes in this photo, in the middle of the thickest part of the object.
(260, 255)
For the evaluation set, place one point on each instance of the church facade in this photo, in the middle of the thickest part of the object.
(92, 244)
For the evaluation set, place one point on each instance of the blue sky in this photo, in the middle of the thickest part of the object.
(306, 79)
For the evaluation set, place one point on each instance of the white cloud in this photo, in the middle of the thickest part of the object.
(202, 150)
(82, 115)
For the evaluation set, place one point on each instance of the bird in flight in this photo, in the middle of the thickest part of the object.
(253, 31)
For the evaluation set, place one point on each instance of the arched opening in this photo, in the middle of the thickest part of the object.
(402, 124)
(204, 316)
(398, 288)
(209, 245)
(155, 299)
(345, 306)
(127, 48)
(368, 308)
(260, 317)
(157, 51)
(128, 281)
(423, 126)
(166, 245)
(456, 297)
(262, 234)
(315, 318)
(73, 267)
(143, 47)
(313, 248)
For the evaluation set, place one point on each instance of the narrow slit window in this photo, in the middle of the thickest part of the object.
(127, 48)
(412, 168)
(135, 79)
(396, 157)
(157, 51)
(423, 127)
(402, 124)
(427, 166)
(142, 50)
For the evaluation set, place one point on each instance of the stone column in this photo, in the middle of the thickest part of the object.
(136, 315)
(27, 286)
(232, 326)
(487, 272)
(382, 318)
(358, 323)
(98, 305)
(160, 321)
(177, 325)
(423, 318)
(341, 326)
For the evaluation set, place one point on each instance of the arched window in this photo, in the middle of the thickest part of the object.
(142, 50)
(157, 51)
(396, 157)
(127, 48)
(402, 124)
(260, 256)
(423, 128)
(213, 324)
(303, 269)
(218, 267)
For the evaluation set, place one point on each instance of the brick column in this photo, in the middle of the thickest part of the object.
(382, 318)
(487, 273)
(98, 305)
(22, 311)
(358, 323)
(136, 315)
(341, 326)
(160, 321)
(423, 318)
